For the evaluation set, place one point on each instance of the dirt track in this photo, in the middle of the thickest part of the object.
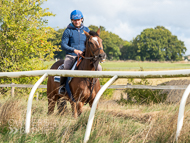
(174, 96)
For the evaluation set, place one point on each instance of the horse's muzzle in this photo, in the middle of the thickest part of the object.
(102, 57)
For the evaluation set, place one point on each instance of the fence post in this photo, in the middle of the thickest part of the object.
(29, 106)
(94, 105)
(181, 111)
(12, 90)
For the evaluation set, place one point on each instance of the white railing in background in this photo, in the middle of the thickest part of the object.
(110, 87)
(104, 74)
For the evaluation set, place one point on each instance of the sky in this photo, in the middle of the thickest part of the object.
(126, 18)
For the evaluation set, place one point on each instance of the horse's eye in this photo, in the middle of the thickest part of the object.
(90, 42)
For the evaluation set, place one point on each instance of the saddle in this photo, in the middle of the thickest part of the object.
(61, 67)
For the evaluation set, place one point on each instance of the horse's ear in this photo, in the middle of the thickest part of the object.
(87, 34)
(98, 31)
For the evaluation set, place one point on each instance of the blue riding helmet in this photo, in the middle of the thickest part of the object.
(76, 14)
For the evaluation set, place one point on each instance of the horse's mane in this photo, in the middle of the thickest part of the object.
(92, 33)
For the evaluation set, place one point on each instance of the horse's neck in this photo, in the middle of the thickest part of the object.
(86, 63)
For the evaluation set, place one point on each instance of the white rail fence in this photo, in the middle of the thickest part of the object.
(110, 87)
(114, 75)
(118, 87)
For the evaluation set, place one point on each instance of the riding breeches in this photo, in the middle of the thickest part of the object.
(69, 61)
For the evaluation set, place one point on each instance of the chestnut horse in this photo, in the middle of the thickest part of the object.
(83, 90)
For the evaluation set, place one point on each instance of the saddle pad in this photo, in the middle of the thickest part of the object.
(57, 78)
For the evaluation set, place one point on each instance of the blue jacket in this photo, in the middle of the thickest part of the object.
(74, 38)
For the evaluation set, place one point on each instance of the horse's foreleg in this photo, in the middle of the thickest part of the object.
(91, 102)
(74, 109)
(51, 95)
(79, 108)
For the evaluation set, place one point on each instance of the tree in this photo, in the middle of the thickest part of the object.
(158, 44)
(95, 28)
(24, 36)
(112, 44)
(56, 41)
(127, 51)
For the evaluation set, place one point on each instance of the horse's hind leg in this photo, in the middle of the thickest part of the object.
(61, 105)
(51, 105)
(52, 98)
(50, 95)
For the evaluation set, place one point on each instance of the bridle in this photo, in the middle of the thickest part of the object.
(95, 58)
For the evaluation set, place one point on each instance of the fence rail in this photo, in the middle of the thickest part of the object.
(100, 74)
(179, 87)
(117, 87)
(22, 85)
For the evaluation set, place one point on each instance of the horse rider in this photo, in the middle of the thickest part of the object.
(73, 42)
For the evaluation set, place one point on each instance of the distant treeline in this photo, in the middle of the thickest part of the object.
(156, 44)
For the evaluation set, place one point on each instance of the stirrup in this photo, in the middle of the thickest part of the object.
(62, 90)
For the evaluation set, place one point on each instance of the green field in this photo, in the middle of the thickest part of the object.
(136, 66)
(121, 65)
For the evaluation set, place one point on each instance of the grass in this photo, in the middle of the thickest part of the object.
(136, 66)
(112, 123)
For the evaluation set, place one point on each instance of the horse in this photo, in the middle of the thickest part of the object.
(83, 90)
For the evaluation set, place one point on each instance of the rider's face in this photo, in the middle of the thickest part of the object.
(77, 22)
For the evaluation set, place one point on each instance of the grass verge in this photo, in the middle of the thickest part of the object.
(112, 123)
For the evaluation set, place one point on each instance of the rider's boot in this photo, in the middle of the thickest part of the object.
(62, 85)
